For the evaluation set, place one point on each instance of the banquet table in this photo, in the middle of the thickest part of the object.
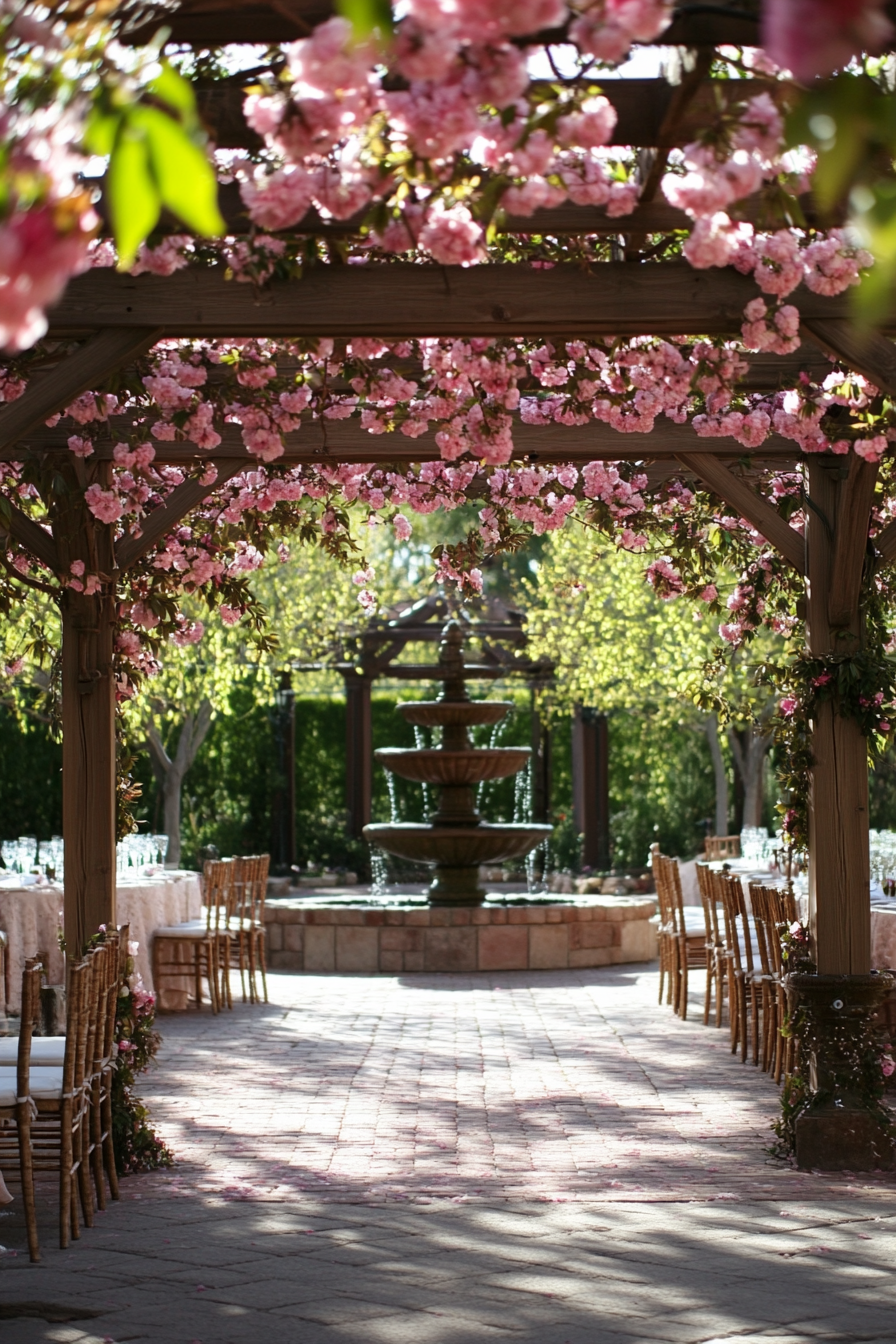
(32, 917)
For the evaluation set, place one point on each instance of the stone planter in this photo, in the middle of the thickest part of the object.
(840, 1130)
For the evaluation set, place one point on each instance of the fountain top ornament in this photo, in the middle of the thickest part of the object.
(455, 840)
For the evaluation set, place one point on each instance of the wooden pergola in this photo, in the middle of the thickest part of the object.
(117, 318)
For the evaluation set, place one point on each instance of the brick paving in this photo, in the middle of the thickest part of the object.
(547, 1158)
(570, 1085)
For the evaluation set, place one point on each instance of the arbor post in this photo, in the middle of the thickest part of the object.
(591, 785)
(839, 876)
(541, 765)
(284, 801)
(89, 774)
(358, 753)
(840, 1126)
(88, 765)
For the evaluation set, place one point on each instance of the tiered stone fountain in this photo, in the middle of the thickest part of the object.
(459, 929)
(455, 840)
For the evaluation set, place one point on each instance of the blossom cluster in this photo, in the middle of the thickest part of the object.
(413, 124)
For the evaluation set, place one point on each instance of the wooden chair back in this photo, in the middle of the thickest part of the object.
(710, 909)
(218, 894)
(722, 847)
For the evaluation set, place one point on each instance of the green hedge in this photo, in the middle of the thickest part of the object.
(660, 788)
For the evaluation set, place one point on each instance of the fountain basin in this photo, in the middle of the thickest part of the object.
(450, 714)
(435, 765)
(456, 846)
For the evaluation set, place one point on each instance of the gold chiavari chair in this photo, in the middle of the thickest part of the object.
(744, 992)
(53, 1107)
(765, 979)
(16, 1106)
(668, 945)
(203, 938)
(722, 847)
(691, 934)
(716, 960)
(258, 886)
(110, 973)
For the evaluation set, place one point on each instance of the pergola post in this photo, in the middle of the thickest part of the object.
(591, 785)
(839, 1129)
(358, 753)
(542, 764)
(283, 810)
(89, 775)
(839, 911)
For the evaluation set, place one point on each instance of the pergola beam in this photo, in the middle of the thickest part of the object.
(867, 352)
(86, 368)
(851, 541)
(132, 547)
(750, 505)
(332, 441)
(29, 534)
(642, 106)
(606, 299)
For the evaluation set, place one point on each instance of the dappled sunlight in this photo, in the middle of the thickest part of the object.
(552, 1086)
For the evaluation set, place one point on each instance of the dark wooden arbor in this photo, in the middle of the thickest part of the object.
(372, 652)
(115, 318)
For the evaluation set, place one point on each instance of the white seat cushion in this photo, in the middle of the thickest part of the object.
(694, 923)
(195, 928)
(46, 1085)
(45, 1050)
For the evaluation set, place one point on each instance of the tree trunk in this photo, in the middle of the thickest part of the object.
(170, 771)
(749, 749)
(711, 728)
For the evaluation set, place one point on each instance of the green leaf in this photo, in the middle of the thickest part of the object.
(171, 88)
(184, 177)
(131, 191)
(100, 131)
(366, 16)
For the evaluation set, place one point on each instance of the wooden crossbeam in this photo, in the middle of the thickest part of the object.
(88, 367)
(851, 542)
(159, 523)
(642, 110)
(649, 217)
(750, 505)
(346, 441)
(868, 352)
(203, 23)
(29, 534)
(610, 298)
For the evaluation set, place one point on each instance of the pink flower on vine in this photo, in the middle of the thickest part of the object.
(788, 705)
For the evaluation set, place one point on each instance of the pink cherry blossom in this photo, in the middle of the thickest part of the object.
(814, 37)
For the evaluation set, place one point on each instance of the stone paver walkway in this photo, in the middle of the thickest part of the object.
(548, 1158)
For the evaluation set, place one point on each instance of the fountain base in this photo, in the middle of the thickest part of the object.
(355, 933)
(456, 852)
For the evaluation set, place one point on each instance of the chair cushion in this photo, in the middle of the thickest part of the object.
(46, 1085)
(45, 1050)
(195, 928)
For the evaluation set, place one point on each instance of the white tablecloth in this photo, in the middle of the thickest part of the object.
(31, 917)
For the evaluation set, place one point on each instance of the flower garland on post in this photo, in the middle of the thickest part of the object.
(137, 1146)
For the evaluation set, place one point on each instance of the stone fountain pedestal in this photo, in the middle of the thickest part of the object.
(345, 935)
